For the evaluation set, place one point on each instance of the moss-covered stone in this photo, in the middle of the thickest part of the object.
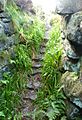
(74, 30)
(72, 84)
(2, 34)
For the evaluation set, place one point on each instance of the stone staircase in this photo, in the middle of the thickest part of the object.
(34, 83)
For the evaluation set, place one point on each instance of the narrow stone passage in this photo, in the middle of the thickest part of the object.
(34, 83)
(23, 71)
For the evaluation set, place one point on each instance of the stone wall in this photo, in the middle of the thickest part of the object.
(26, 5)
(7, 39)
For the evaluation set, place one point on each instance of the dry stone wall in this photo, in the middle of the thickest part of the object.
(7, 39)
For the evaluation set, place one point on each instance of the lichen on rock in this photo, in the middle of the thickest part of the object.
(72, 84)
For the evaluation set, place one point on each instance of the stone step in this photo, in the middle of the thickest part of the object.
(36, 72)
(30, 85)
(42, 52)
(30, 95)
(47, 26)
(36, 66)
(27, 108)
(42, 48)
(46, 37)
(37, 77)
(38, 58)
(33, 84)
(43, 45)
(36, 84)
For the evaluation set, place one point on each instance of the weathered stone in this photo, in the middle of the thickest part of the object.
(72, 84)
(72, 40)
(6, 42)
(9, 42)
(36, 66)
(71, 54)
(74, 30)
(35, 72)
(46, 37)
(2, 45)
(36, 84)
(68, 6)
(70, 59)
(33, 84)
(2, 34)
(4, 58)
(72, 111)
(72, 87)
(31, 94)
(37, 59)
(3, 62)
(69, 51)
(30, 84)
(8, 28)
(37, 77)
(70, 66)
(6, 20)
(2, 5)
(26, 5)
(5, 69)
(4, 15)
(77, 102)
(42, 50)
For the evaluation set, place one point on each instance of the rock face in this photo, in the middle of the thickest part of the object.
(7, 40)
(72, 40)
(72, 87)
(25, 5)
(74, 28)
(2, 5)
(68, 6)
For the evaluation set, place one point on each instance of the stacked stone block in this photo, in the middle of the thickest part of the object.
(7, 40)
(71, 13)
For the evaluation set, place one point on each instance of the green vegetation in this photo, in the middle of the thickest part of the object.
(29, 33)
(30, 30)
(50, 99)
(22, 59)
(10, 91)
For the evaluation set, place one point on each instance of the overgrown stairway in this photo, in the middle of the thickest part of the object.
(34, 83)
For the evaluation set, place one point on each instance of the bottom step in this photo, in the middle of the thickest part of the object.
(38, 59)
(35, 73)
